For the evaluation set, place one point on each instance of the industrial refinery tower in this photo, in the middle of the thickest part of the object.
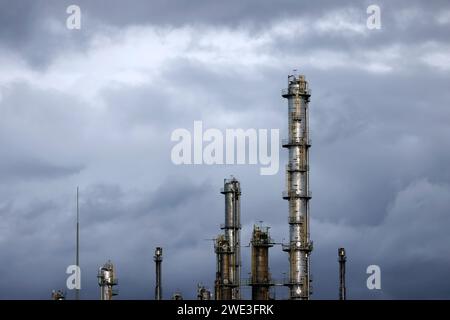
(107, 280)
(297, 183)
(260, 280)
(228, 245)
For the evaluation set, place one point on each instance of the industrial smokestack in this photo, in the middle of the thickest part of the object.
(107, 280)
(158, 259)
(342, 260)
(228, 245)
(297, 182)
(260, 281)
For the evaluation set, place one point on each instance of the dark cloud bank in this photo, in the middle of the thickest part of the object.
(96, 108)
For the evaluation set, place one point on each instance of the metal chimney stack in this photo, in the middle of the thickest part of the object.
(342, 260)
(107, 280)
(297, 187)
(158, 259)
(260, 281)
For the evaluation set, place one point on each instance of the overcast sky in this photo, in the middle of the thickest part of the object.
(96, 107)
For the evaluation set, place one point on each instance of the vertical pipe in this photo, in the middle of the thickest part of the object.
(237, 243)
(297, 193)
(342, 260)
(77, 278)
(217, 283)
(158, 259)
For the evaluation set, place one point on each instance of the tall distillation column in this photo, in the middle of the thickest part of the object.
(342, 259)
(107, 280)
(297, 183)
(232, 227)
(260, 281)
(228, 245)
(158, 259)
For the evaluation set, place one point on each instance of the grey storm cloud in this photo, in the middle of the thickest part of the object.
(96, 107)
(32, 168)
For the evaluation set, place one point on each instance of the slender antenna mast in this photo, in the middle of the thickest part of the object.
(77, 291)
(342, 259)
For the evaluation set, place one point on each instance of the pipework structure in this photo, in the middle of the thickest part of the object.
(158, 260)
(297, 187)
(261, 278)
(228, 245)
(177, 296)
(58, 295)
(107, 280)
(203, 293)
(223, 285)
(342, 259)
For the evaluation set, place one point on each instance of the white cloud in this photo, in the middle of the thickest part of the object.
(443, 17)
(139, 55)
(440, 60)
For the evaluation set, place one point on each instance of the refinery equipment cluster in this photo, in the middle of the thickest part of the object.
(227, 245)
